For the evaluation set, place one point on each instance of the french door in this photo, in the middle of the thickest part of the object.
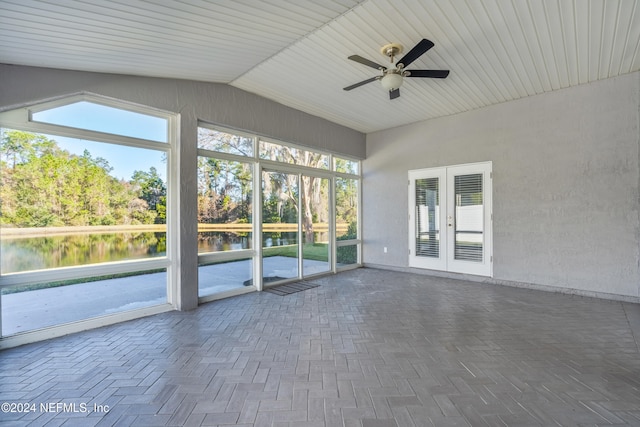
(450, 219)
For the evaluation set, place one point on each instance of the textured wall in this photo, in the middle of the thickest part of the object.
(216, 103)
(565, 187)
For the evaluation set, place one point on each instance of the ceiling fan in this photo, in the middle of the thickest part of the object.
(391, 78)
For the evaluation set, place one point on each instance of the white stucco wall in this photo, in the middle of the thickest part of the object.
(565, 186)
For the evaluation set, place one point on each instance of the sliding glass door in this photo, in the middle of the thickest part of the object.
(315, 225)
(280, 226)
(268, 212)
(295, 225)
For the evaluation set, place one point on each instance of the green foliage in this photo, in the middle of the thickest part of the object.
(346, 200)
(313, 251)
(348, 254)
(43, 185)
(152, 190)
(224, 191)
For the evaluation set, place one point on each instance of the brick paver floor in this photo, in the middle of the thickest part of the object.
(366, 348)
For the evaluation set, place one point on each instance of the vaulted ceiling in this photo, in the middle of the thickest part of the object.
(295, 51)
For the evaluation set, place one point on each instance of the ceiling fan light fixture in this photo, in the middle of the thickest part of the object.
(391, 78)
(391, 81)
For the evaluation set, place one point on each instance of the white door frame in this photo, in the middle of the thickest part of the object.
(445, 219)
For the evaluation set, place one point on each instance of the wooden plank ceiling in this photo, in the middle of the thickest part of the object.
(295, 51)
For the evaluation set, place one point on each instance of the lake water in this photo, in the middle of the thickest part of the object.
(215, 241)
(36, 253)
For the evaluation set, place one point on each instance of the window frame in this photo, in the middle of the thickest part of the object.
(21, 119)
(260, 164)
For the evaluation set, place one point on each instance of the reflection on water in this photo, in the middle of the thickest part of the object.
(213, 241)
(279, 239)
(35, 253)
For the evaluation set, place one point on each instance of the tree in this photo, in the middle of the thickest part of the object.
(18, 146)
(224, 191)
(347, 204)
(152, 189)
(44, 185)
(209, 139)
(310, 186)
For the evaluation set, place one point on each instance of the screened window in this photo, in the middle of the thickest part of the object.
(101, 118)
(293, 155)
(347, 255)
(70, 202)
(298, 237)
(83, 222)
(346, 208)
(225, 211)
(52, 303)
(225, 192)
(347, 196)
(214, 140)
(346, 166)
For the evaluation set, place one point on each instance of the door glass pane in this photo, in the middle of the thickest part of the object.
(279, 226)
(469, 217)
(315, 225)
(427, 217)
(220, 276)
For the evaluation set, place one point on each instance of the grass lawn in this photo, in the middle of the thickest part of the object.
(314, 251)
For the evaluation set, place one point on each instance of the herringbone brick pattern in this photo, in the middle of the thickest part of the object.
(367, 348)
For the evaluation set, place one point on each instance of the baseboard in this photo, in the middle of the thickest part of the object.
(493, 281)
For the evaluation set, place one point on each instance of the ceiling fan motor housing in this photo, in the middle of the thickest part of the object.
(392, 80)
(391, 50)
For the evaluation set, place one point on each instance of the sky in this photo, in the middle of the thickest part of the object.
(123, 159)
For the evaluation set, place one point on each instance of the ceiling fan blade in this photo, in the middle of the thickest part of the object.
(364, 82)
(434, 74)
(422, 46)
(393, 94)
(367, 62)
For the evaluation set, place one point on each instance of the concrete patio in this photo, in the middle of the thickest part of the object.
(26, 311)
